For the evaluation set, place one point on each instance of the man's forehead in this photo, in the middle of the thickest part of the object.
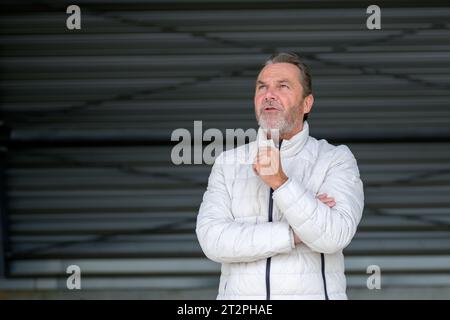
(279, 72)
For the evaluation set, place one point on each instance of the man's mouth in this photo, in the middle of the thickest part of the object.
(270, 109)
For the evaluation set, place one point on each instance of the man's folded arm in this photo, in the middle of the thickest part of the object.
(325, 229)
(225, 240)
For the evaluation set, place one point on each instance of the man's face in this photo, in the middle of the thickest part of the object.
(279, 102)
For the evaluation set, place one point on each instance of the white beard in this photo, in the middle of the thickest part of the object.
(280, 121)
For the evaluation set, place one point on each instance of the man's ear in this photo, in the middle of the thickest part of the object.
(308, 103)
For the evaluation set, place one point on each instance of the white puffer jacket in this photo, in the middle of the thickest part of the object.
(259, 258)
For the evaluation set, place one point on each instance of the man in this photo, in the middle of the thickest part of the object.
(279, 214)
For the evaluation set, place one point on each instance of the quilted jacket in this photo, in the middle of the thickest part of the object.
(248, 228)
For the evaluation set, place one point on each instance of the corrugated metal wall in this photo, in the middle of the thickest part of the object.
(89, 179)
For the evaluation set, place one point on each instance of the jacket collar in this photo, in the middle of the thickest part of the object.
(289, 147)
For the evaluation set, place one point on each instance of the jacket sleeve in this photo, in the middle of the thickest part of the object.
(325, 229)
(225, 240)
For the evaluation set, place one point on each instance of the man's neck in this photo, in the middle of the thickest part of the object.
(293, 132)
(287, 136)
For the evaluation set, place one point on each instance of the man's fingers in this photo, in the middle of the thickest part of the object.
(329, 201)
(264, 152)
(297, 239)
(324, 197)
(263, 159)
(265, 156)
(256, 169)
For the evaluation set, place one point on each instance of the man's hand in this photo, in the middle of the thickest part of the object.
(267, 165)
(329, 201)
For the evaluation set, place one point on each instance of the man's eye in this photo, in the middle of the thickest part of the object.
(261, 87)
(285, 86)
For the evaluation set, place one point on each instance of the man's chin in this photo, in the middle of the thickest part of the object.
(271, 123)
(271, 128)
(268, 125)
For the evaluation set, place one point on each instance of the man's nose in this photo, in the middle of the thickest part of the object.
(270, 96)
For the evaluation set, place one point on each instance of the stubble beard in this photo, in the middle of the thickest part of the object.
(283, 121)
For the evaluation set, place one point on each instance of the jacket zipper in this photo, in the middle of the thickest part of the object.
(322, 260)
(269, 260)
